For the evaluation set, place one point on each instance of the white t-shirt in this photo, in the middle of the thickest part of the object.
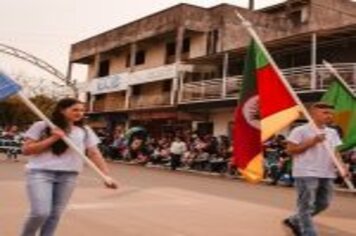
(315, 161)
(178, 148)
(83, 138)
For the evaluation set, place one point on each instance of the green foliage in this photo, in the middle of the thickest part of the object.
(13, 111)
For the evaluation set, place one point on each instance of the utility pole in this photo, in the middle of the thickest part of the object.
(251, 5)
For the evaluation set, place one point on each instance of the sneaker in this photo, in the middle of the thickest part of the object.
(295, 229)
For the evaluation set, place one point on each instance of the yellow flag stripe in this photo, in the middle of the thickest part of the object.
(276, 122)
(254, 170)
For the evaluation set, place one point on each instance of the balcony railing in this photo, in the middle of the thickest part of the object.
(298, 77)
(150, 101)
(111, 102)
(99, 106)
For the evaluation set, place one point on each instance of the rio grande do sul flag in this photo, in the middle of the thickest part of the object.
(266, 106)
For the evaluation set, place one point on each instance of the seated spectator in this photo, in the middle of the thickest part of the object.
(118, 144)
(189, 158)
(219, 162)
(277, 161)
(349, 159)
(352, 166)
(13, 142)
(133, 149)
(161, 154)
(271, 162)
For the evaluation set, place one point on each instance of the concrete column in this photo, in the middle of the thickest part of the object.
(251, 5)
(69, 71)
(313, 75)
(202, 89)
(181, 86)
(224, 74)
(179, 43)
(69, 79)
(128, 97)
(97, 60)
(91, 103)
(133, 50)
(174, 90)
(220, 39)
(178, 58)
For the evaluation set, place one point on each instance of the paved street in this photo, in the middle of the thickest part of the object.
(158, 202)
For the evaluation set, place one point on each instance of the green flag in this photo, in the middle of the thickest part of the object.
(345, 112)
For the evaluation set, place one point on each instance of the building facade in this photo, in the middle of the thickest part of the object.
(181, 68)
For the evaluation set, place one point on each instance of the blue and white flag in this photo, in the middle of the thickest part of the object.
(8, 87)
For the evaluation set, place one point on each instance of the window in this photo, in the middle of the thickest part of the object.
(170, 53)
(140, 57)
(299, 16)
(186, 45)
(167, 86)
(296, 17)
(128, 60)
(104, 68)
(170, 49)
(205, 128)
(88, 96)
(196, 76)
(213, 39)
(100, 97)
(136, 90)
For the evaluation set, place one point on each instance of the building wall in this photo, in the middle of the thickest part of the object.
(155, 56)
(328, 14)
(221, 119)
(151, 89)
(197, 18)
(115, 101)
(118, 63)
(91, 71)
(151, 95)
(270, 25)
(198, 45)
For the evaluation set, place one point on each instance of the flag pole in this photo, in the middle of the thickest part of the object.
(336, 74)
(69, 142)
(252, 32)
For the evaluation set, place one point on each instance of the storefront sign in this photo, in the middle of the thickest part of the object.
(109, 84)
(120, 82)
(152, 75)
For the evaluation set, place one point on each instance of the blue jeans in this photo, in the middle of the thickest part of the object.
(314, 196)
(49, 193)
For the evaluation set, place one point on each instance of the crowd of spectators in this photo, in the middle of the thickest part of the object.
(190, 151)
(10, 142)
(182, 150)
(185, 150)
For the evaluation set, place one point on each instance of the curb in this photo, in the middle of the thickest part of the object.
(339, 191)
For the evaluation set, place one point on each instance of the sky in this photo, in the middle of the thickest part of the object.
(46, 28)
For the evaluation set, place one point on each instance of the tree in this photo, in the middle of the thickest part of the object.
(13, 111)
